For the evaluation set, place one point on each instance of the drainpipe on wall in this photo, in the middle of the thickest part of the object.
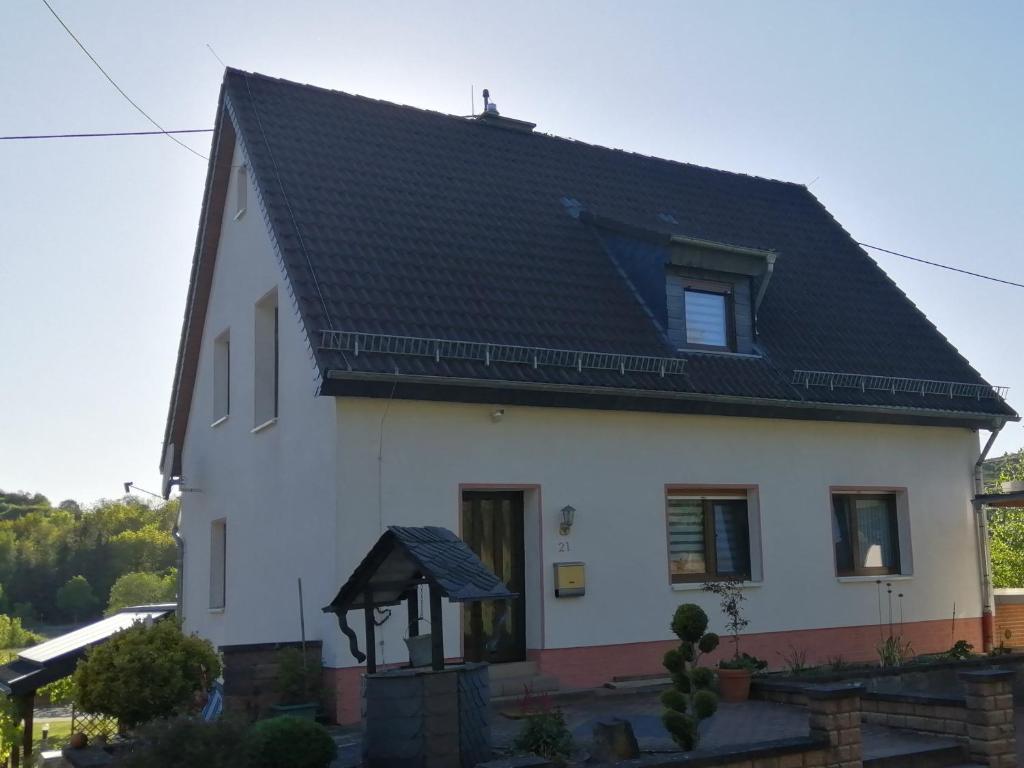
(179, 542)
(987, 599)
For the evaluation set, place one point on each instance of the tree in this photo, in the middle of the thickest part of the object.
(75, 599)
(143, 589)
(145, 672)
(147, 549)
(1006, 528)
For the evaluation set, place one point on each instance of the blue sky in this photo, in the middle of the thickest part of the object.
(905, 116)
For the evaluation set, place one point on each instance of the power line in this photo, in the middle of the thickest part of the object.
(118, 87)
(943, 266)
(100, 135)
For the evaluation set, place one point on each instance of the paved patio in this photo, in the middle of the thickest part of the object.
(733, 724)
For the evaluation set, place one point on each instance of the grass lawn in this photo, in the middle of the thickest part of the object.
(60, 730)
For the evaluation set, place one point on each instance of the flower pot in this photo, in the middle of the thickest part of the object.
(734, 684)
(420, 650)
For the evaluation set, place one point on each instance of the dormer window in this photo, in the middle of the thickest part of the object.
(703, 295)
(707, 315)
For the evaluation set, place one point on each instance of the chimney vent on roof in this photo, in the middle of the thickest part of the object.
(490, 107)
(491, 116)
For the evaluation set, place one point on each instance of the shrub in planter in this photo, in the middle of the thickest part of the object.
(734, 674)
(287, 742)
(185, 743)
(690, 700)
(298, 682)
(545, 734)
(146, 672)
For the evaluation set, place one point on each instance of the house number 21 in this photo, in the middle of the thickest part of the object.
(563, 546)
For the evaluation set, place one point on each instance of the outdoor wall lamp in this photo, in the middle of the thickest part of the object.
(568, 515)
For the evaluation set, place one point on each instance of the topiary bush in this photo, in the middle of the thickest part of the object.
(145, 672)
(287, 742)
(690, 700)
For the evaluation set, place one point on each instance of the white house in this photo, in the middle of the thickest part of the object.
(402, 317)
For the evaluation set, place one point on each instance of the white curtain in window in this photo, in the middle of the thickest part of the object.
(874, 532)
(686, 536)
(705, 318)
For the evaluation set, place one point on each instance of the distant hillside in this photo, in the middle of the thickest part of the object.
(61, 564)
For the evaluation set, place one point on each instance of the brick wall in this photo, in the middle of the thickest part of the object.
(250, 676)
(940, 717)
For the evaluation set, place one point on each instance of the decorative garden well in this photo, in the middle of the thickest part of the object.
(417, 716)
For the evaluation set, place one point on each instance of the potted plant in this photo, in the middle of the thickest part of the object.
(299, 690)
(734, 673)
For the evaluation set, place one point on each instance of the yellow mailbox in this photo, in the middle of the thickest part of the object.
(570, 580)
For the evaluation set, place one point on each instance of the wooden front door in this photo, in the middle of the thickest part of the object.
(492, 526)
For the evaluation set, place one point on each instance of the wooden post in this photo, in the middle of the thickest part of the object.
(436, 629)
(412, 603)
(476, 631)
(371, 641)
(29, 703)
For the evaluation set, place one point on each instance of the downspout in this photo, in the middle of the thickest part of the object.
(770, 259)
(179, 542)
(987, 599)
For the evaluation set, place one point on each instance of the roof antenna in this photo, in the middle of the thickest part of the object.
(472, 99)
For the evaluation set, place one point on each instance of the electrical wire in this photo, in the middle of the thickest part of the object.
(101, 135)
(942, 266)
(118, 87)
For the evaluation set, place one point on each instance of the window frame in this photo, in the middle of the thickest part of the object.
(221, 377)
(707, 497)
(218, 564)
(241, 190)
(892, 499)
(714, 289)
(266, 361)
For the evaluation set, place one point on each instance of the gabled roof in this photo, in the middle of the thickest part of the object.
(406, 556)
(402, 222)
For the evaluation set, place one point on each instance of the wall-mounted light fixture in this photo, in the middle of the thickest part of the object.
(568, 516)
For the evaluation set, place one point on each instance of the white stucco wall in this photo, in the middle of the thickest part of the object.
(614, 466)
(275, 487)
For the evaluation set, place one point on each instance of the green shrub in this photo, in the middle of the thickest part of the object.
(690, 699)
(675, 699)
(186, 743)
(298, 679)
(689, 622)
(546, 735)
(287, 742)
(146, 672)
(705, 704)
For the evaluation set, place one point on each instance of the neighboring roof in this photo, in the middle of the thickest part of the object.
(41, 664)
(399, 221)
(404, 557)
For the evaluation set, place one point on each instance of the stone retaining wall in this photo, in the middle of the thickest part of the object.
(941, 717)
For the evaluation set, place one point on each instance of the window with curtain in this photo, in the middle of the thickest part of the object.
(708, 536)
(865, 530)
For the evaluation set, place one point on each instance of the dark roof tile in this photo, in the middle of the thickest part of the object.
(422, 224)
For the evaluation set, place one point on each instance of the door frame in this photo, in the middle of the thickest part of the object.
(531, 492)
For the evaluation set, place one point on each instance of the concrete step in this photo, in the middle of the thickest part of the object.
(938, 756)
(652, 682)
(519, 686)
(513, 669)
